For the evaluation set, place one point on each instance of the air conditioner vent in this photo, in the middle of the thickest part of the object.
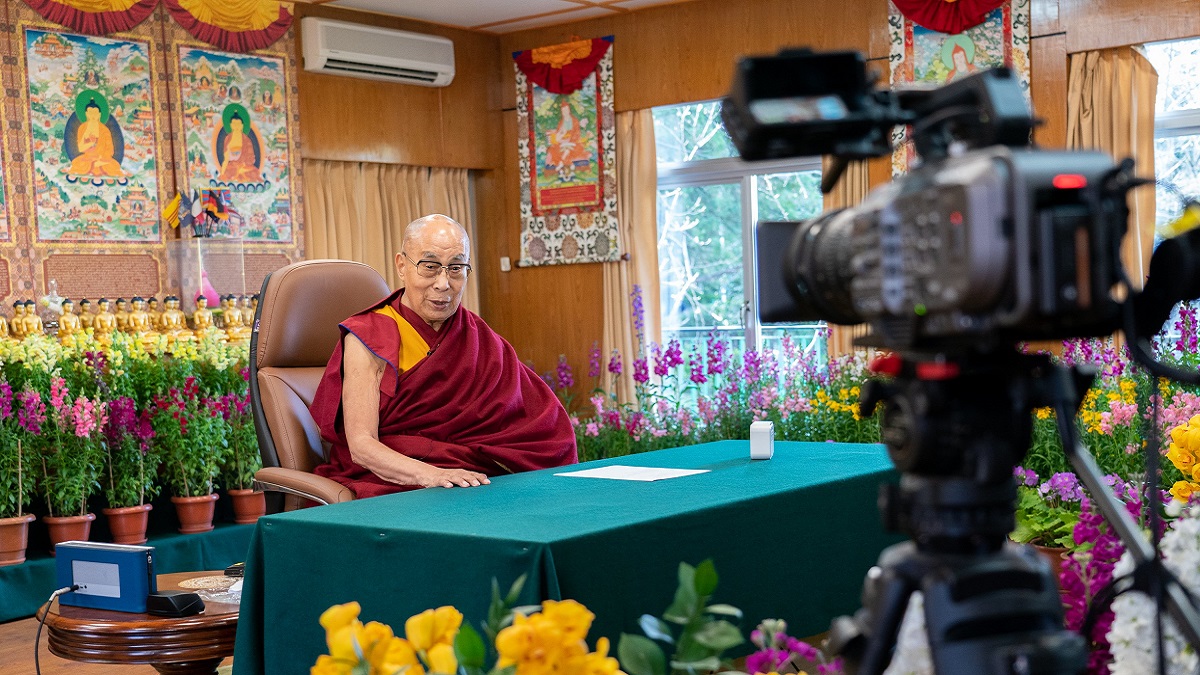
(354, 50)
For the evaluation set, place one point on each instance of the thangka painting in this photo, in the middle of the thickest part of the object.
(93, 140)
(926, 57)
(236, 139)
(567, 152)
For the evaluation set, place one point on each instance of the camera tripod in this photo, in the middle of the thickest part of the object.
(956, 428)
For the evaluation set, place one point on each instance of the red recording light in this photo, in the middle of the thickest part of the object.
(1069, 181)
(956, 217)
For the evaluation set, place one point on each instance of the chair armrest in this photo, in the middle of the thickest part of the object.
(302, 484)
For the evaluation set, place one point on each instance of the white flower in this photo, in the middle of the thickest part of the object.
(1134, 647)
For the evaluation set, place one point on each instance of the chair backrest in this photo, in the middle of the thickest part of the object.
(295, 332)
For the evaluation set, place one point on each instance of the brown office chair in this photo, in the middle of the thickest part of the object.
(295, 332)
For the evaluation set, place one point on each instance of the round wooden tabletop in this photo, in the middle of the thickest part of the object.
(192, 645)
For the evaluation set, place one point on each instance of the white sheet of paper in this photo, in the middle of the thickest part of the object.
(639, 473)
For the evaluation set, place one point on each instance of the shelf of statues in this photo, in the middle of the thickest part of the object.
(230, 322)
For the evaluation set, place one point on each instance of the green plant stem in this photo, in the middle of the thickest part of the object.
(20, 482)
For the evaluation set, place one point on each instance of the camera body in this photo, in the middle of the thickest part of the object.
(985, 238)
(1020, 244)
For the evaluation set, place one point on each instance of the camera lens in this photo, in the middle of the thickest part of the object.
(820, 266)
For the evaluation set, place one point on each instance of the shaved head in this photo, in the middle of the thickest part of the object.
(433, 224)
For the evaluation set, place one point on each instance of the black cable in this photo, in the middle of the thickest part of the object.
(37, 640)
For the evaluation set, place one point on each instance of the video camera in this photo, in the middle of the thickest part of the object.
(984, 237)
(983, 244)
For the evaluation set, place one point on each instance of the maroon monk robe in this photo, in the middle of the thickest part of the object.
(469, 404)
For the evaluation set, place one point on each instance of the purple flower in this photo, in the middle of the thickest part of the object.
(594, 360)
(614, 364)
(565, 379)
(641, 371)
(1027, 477)
(751, 366)
(639, 315)
(696, 365)
(6, 400)
(656, 354)
(674, 355)
(716, 354)
(32, 414)
(1064, 487)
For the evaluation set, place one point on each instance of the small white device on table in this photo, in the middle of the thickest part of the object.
(762, 440)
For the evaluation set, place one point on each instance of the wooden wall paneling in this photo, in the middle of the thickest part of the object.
(1103, 24)
(543, 311)
(351, 119)
(1043, 18)
(686, 52)
(1048, 88)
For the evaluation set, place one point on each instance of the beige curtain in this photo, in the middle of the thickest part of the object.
(637, 198)
(358, 210)
(1110, 107)
(849, 191)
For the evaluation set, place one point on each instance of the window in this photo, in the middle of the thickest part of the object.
(708, 203)
(1176, 125)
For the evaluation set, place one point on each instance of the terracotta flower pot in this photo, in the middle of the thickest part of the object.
(195, 513)
(1055, 556)
(14, 539)
(248, 505)
(128, 523)
(68, 528)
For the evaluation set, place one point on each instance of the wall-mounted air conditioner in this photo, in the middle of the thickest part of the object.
(355, 50)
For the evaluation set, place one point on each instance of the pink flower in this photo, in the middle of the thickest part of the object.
(592, 429)
(614, 364)
(641, 372)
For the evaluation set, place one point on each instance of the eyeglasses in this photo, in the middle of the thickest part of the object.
(432, 268)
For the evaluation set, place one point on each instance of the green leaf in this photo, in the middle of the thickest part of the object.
(703, 665)
(640, 656)
(468, 647)
(656, 629)
(719, 635)
(706, 578)
(685, 604)
(514, 592)
(724, 610)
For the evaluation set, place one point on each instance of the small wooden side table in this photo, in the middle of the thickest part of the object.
(193, 645)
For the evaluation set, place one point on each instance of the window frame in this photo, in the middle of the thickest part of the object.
(732, 170)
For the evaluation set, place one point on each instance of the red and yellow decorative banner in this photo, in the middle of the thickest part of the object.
(231, 25)
(947, 16)
(567, 151)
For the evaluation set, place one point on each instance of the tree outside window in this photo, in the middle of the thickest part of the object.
(708, 203)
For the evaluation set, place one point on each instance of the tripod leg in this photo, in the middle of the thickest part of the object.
(866, 641)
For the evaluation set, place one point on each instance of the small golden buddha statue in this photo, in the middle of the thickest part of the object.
(3, 328)
(105, 322)
(202, 318)
(17, 328)
(235, 329)
(86, 316)
(33, 322)
(69, 324)
(155, 312)
(122, 314)
(174, 321)
(139, 318)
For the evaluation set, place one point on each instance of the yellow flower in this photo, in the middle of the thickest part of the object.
(599, 662)
(1181, 458)
(573, 618)
(432, 627)
(1043, 413)
(327, 665)
(340, 616)
(1182, 490)
(441, 660)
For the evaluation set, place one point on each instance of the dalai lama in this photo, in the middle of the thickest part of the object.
(422, 393)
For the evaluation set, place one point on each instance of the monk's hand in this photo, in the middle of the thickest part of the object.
(453, 478)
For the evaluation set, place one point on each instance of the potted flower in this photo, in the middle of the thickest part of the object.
(17, 477)
(1047, 512)
(242, 460)
(71, 454)
(191, 434)
(130, 471)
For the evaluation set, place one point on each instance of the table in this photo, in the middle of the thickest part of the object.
(791, 538)
(192, 645)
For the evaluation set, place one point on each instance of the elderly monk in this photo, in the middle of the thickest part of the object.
(421, 392)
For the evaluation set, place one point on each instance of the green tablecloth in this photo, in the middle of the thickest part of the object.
(791, 538)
